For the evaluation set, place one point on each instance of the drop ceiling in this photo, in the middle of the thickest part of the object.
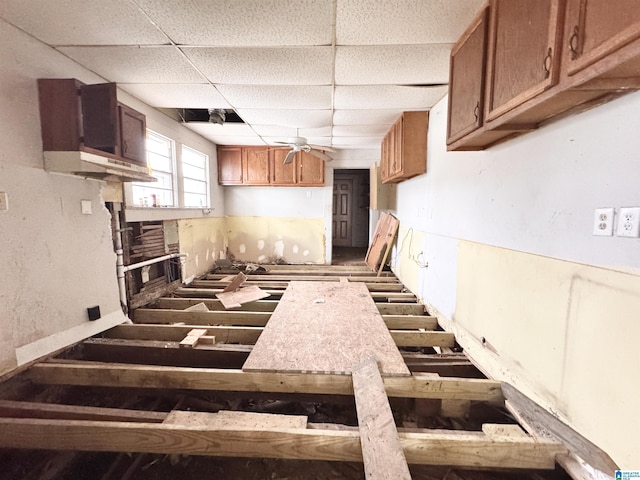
(338, 72)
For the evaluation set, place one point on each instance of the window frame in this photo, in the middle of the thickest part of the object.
(175, 197)
(205, 179)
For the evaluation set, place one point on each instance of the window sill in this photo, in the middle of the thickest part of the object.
(141, 214)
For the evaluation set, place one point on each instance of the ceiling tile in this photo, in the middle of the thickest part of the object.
(387, 96)
(89, 22)
(278, 96)
(381, 22)
(365, 142)
(366, 117)
(360, 130)
(287, 118)
(244, 22)
(392, 64)
(136, 64)
(265, 66)
(284, 132)
(227, 134)
(177, 95)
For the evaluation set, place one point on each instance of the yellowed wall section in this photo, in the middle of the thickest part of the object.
(564, 333)
(408, 258)
(203, 240)
(267, 239)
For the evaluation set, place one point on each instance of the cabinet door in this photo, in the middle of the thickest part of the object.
(282, 174)
(397, 160)
(133, 135)
(466, 80)
(597, 28)
(255, 166)
(229, 165)
(384, 158)
(100, 116)
(310, 169)
(523, 52)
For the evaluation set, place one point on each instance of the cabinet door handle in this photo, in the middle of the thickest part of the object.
(573, 43)
(547, 63)
(476, 111)
(126, 147)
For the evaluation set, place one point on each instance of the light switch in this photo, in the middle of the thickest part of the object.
(86, 207)
(4, 201)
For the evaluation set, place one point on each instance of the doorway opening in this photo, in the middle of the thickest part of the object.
(350, 218)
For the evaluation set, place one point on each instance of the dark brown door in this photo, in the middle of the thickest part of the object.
(342, 212)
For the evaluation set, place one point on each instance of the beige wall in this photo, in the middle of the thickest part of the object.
(268, 239)
(564, 332)
(203, 240)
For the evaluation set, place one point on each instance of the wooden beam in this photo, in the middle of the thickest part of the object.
(212, 278)
(544, 425)
(15, 409)
(439, 448)
(410, 322)
(410, 338)
(148, 376)
(372, 286)
(249, 335)
(211, 292)
(381, 448)
(161, 315)
(400, 308)
(213, 304)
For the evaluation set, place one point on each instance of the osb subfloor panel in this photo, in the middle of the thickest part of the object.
(325, 327)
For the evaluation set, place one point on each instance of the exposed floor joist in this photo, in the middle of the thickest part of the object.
(444, 411)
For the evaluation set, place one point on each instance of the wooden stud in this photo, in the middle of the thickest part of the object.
(158, 315)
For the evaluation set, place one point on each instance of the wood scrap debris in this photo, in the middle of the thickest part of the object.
(193, 337)
(241, 296)
(380, 247)
(235, 283)
(198, 307)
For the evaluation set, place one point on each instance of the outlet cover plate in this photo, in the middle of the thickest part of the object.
(629, 222)
(603, 222)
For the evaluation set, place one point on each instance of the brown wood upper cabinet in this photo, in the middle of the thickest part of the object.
(545, 59)
(523, 59)
(75, 116)
(466, 79)
(599, 39)
(262, 166)
(404, 148)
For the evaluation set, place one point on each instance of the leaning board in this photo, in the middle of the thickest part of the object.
(325, 327)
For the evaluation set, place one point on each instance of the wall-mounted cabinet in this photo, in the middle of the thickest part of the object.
(86, 131)
(543, 61)
(263, 166)
(404, 148)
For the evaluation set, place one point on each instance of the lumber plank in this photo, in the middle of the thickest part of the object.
(223, 334)
(212, 292)
(192, 337)
(472, 451)
(18, 409)
(358, 277)
(161, 315)
(239, 297)
(410, 322)
(212, 304)
(151, 376)
(234, 420)
(543, 424)
(317, 328)
(405, 338)
(381, 448)
(235, 283)
(400, 308)
(372, 286)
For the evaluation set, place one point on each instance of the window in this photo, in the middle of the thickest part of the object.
(161, 161)
(195, 178)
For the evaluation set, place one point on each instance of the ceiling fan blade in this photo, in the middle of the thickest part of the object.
(320, 155)
(289, 158)
(326, 149)
(281, 143)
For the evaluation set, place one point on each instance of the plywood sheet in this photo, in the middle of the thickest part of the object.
(325, 327)
(383, 237)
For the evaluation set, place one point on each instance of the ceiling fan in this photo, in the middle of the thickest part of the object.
(299, 144)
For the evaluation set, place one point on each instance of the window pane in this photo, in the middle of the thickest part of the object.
(195, 186)
(160, 158)
(195, 200)
(196, 173)
(195, 178)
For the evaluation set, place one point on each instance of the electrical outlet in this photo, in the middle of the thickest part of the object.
(629, 222)
(603, 222)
